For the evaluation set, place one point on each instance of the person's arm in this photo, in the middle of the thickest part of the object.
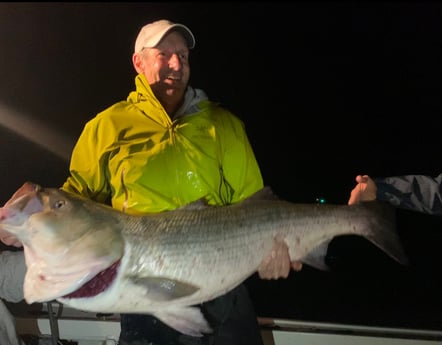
(12, 275)
(88, 160)
(8, 331)
(420, 193)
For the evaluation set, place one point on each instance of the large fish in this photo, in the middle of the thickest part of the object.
(92, 257)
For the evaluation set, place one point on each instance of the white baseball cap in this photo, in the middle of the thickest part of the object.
(151, 34)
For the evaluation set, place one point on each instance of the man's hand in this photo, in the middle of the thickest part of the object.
(365, 190)
(277, 264)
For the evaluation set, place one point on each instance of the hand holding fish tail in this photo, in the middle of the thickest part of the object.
(365, 190)
(277, 264)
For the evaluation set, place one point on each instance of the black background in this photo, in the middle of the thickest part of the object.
(327, 90)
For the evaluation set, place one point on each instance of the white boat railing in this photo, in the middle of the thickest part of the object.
(103, 329)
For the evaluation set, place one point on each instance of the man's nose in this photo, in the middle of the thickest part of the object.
(175, 62)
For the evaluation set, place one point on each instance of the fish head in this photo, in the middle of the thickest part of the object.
(67, 239)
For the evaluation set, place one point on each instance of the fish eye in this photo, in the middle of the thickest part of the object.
(59, 204)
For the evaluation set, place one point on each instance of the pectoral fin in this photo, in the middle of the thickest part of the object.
(187, 320)
(316, 257)
(165, 289)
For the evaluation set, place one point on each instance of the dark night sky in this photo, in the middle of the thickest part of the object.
(327, 91)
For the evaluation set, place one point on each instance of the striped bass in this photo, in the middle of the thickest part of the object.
(92, 257)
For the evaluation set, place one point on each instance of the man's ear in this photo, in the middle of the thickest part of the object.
(137, 61)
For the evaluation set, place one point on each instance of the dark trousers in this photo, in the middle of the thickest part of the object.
(231, 316)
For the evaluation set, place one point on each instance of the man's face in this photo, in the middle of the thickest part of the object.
(166, 67)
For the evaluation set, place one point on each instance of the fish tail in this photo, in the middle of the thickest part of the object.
(382, 231)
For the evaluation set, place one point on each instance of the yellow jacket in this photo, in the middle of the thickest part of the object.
(135, 157)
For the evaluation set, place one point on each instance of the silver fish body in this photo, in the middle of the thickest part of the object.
(164, 264)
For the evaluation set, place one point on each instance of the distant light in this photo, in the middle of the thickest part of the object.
(320, 200)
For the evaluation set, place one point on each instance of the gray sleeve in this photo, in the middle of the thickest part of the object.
(420, 193)
(12, 274)
(8, 332)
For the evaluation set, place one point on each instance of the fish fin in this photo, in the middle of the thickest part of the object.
(165, 289)
(265, 193)
(187, 320)
(316, 257)
(195, 205)
(382, 229)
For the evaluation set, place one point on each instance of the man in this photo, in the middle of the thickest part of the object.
(164, 147)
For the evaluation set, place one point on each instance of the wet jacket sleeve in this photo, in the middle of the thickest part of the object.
(240, 172)
(12, 275)
(413, 192)
(88, 161)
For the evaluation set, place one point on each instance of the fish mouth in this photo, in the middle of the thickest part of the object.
(46, 281)
(99, 283)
